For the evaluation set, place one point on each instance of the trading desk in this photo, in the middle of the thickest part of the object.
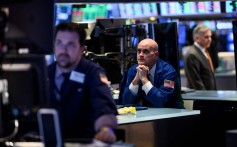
(218, 95)
(218, 114)
(162, 127)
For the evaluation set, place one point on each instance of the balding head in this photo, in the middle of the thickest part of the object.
(147, 52)
(150, 43)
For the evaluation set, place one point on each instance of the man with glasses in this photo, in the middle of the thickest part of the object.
(152, 82)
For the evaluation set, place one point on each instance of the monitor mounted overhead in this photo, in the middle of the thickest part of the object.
(30, 26)
(189, 8)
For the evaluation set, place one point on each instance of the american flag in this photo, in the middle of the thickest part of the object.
(169, 83)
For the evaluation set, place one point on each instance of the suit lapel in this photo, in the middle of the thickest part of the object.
(202, 56)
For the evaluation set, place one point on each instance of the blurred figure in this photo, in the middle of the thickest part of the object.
(198, 65)
(79, 89)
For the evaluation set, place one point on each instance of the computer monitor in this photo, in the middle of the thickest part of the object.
(26, 76)
(189, 8)
(230, 7)
(182, 34)
(63, 13)
(30, 25)
(135, 10)
(230, 41)
(166, 35)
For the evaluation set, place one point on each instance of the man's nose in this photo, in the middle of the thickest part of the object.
(64, 47)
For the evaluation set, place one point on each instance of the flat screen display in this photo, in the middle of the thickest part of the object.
(92, 11)
(230, 41)
(231, 6)
(63, 13)
(189, 8)
(134, 10)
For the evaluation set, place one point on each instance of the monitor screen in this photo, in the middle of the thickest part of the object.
(230, 6)
(92, 11)
(63, 13)
(189, 8)
(165, 34)
(30, 26)
(136, 10)
(88, 12)
(230, 41)
(182, 33)
(26, 76)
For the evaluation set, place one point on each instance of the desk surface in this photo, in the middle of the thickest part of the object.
(226, 73)
(154, 114)
(220, 95)
(94, 144)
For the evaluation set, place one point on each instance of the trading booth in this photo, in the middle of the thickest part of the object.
(114, 30)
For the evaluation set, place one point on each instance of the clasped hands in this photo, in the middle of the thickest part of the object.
(141, 75)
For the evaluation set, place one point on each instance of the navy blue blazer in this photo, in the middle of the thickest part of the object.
(160, 95)
(82, 103)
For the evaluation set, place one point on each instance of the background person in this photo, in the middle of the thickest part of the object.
(85, 103)
(198, 66)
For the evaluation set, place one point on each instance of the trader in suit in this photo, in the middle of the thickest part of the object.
(152, 82)
(79, 89)
(198, 65)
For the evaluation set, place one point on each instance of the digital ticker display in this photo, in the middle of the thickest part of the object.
(189, 8)
(231, 7)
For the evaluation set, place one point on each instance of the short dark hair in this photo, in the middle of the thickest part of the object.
(72, 27)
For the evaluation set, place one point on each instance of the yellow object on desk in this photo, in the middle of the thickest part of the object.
(127, 110)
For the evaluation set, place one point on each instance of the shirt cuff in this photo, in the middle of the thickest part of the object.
(147, 87)
(108, 120)
(133, 88)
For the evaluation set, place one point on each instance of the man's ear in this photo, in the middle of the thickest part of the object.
(196, 38)
(82, 48)
(157, 54)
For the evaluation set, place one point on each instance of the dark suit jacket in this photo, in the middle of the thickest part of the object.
(82, 103)
(198, 71)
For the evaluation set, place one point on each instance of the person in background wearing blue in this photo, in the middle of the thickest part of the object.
(85, 104)
(152, 82)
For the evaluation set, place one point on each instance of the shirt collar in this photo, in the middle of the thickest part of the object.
(58, 72)
(201, 49)
(198, 46)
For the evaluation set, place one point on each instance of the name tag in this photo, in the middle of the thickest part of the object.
(77, 77)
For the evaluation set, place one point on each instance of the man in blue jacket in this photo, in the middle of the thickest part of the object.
(83, 98)
(152, 82)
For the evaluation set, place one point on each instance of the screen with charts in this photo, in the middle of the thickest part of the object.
(189, 8)
(93, 11)
(134, 10)
(231, 6)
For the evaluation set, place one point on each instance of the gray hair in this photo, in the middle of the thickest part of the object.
(199, 29)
